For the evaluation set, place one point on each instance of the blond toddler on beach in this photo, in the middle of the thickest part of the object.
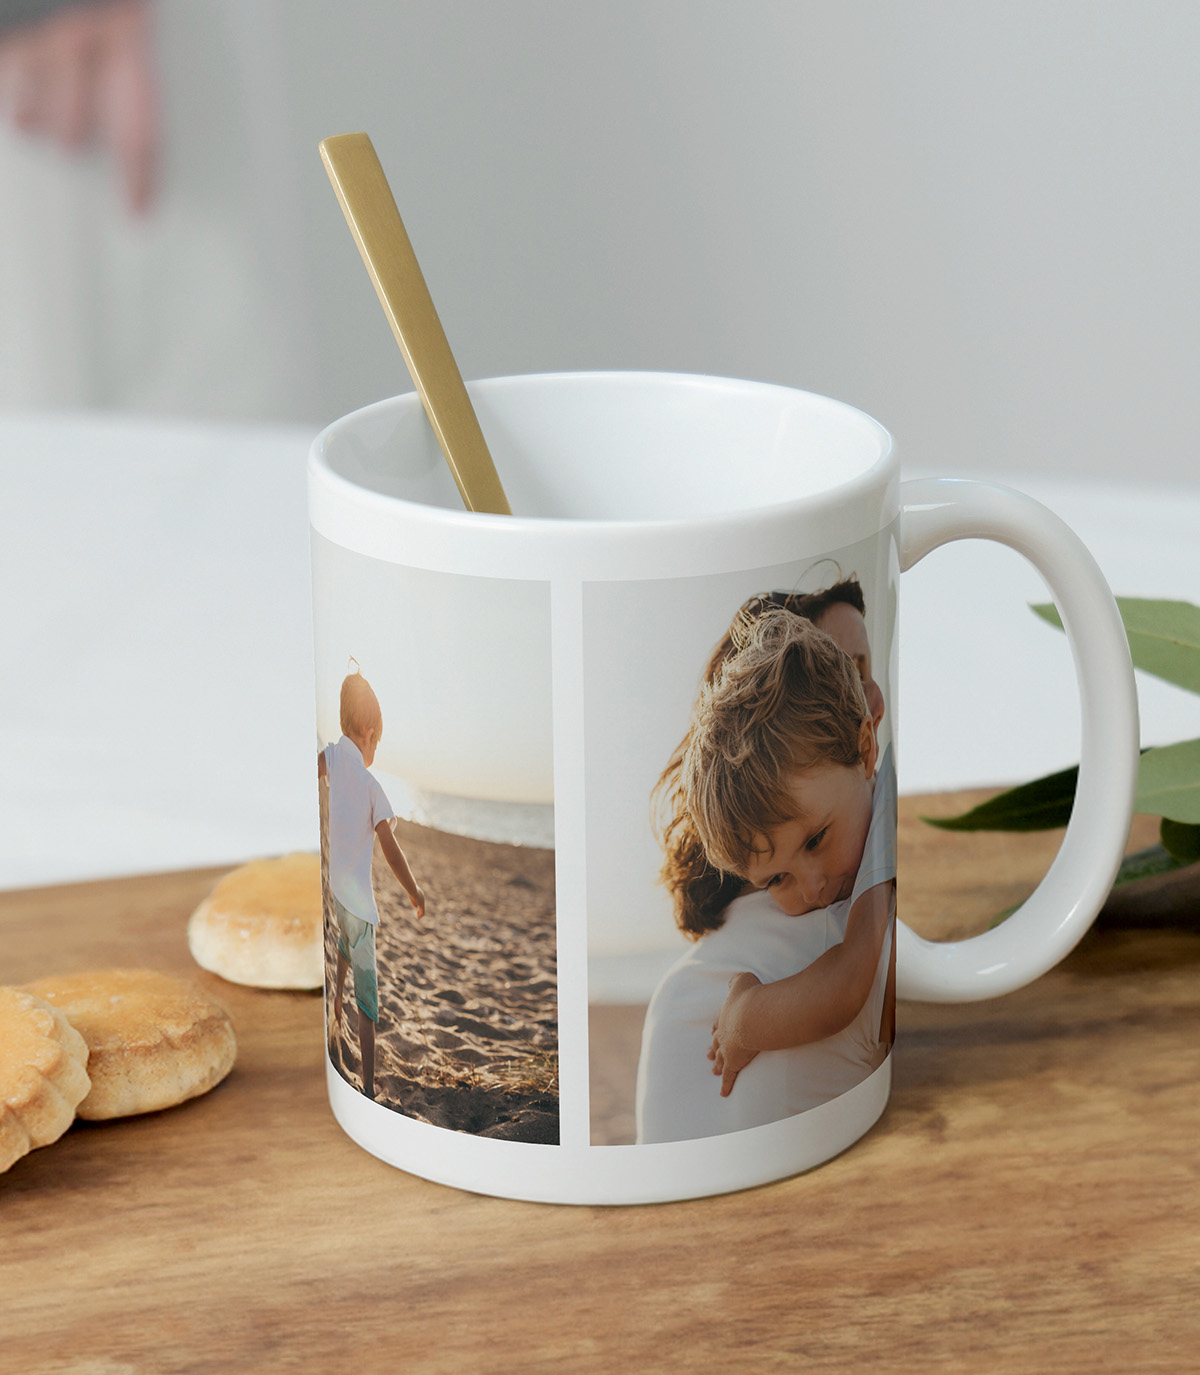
(359, 812)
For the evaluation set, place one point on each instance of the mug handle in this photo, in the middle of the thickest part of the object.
(1051, 922)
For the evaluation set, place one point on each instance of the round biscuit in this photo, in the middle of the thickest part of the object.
(153, 1040)
(261, 924)
(43, 1074)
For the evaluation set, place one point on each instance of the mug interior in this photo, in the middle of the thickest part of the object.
(620, 446)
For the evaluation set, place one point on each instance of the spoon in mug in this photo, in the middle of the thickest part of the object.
(366, 199)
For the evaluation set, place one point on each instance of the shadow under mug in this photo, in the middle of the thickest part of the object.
(536, 671)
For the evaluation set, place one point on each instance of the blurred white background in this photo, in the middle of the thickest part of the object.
(978, 223)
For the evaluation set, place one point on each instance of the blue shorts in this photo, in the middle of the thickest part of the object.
(356, 945)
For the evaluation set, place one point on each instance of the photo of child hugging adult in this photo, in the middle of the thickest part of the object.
(439, 952)
(778, 822)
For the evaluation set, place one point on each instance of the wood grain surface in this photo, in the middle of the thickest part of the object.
(1030, 1200)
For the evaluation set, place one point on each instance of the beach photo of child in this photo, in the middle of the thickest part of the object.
(358, 816)
(439, 891)
(774, 823)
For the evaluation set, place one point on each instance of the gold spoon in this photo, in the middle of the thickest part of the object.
(366, 200)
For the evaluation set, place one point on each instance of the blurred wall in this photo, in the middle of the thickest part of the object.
(979, 223)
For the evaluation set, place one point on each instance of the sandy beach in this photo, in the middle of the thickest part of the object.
(467, 1036)
(614, 1043)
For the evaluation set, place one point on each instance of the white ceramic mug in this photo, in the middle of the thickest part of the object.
(534, 674)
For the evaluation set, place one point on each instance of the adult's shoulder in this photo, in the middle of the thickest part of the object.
(885, 784)
(756, 936)
(747, 919)
(692, 989)
(887, 763)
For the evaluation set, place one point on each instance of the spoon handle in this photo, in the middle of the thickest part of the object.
(366, 200)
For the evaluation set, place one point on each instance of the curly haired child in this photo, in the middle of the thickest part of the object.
(775, 784)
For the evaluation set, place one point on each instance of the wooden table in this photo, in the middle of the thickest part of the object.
(1029, 1201)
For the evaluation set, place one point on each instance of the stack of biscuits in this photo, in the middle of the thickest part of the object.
(116, 1042)
(110, 1043)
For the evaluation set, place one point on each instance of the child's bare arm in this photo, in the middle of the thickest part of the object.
(322, 767)
(809, 1006)
(399, 866)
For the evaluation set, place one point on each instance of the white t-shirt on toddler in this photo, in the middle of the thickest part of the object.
(357, 804)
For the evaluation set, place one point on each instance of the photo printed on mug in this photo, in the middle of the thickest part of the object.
(741, 861)
(437, 844)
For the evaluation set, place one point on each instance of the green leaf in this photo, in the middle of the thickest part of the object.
(1164, 637)
(1181, 840)
(1038, 806)
(1048, 612)
(1169, 782)
(1148, 863)
(1004, 916)
(1168, 786)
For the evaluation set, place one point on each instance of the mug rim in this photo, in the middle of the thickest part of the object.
(512, 527)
